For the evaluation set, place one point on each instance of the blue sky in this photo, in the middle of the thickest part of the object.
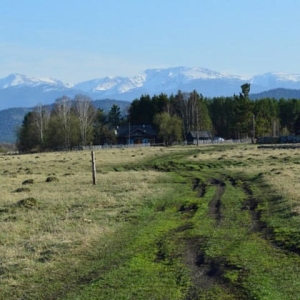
(76, 40)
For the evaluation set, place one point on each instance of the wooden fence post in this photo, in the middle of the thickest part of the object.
(93, 167)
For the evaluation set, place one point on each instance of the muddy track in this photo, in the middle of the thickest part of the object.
(200, 187)
(215, 202)
(266, 232)
(205, 274)
(251, 204)
(200, 270)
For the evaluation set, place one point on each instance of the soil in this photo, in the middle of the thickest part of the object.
(215, 203)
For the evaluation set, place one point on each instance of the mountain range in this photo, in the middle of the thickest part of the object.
(18, 90)
(19, 93)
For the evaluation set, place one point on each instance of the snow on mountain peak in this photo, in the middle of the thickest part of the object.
(101, 84)
(15, 80)
(117, 83)
(281, 76)
(186, 73)
(152, 81)
(276, 80)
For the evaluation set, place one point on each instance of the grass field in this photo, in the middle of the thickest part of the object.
(208, 222)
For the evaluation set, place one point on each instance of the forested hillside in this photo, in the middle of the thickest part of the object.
(279, 93)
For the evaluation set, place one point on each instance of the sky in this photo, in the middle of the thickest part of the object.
(76, 40)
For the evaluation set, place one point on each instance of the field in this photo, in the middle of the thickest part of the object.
(208, 222)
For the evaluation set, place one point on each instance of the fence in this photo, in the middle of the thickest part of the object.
(100, 147)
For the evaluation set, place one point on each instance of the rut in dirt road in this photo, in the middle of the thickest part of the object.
(204, 273)
(215, 202)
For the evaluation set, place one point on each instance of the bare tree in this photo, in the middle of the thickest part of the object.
(194, 112)
(188, 110)
(85, 113)
(62, 109)
(182, 110)
(41, 116)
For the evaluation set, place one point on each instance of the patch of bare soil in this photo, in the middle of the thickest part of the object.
(215, 203)
(200, 187)
(200, 270)
(251, 204)
(206, 273)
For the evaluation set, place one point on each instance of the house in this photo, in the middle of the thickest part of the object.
(202, 135)
(135, 134)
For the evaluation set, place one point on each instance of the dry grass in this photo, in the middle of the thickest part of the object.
(69, 214)
(280, 168)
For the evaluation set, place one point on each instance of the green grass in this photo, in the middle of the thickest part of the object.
(150, 266)
(239, 262)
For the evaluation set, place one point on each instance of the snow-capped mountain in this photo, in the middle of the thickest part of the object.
(23, 91)
(19, 80)
(17, 90)
(115, 85)
(155, 81)
(273, 80)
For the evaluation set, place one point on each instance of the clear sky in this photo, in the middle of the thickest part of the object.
(78, 40)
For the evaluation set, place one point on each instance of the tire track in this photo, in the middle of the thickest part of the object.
(215, 202)
(204, 273)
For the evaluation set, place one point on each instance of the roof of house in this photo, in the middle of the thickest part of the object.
(135, 130)
(201, 134)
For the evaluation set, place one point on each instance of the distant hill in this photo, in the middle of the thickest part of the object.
(277, 94)
(11, 118)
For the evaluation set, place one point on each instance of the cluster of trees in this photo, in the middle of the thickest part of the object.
(66, 124)
(235, 117)
(73, 122)
(238, 117)
(172, 116)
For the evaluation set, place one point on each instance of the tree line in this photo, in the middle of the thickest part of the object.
(66, 124)
(235, 117)
(72, 122)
